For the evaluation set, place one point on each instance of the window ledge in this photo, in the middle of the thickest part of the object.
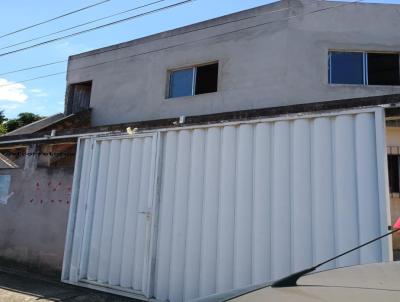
(363, 86)
(188, 96)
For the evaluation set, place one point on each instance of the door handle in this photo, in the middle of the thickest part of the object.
(148, 214)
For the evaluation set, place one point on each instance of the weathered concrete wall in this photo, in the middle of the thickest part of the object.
(262, 64)
(33, 222)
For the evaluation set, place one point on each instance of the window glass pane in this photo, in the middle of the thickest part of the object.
(181, 83)
(207, 78)
(346, 68)
(383, 69)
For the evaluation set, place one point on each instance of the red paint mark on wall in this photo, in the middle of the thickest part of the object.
(47, 195)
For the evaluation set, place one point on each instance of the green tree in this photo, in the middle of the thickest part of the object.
(11, 125)
(3, 129)
(26, 118)
(23, 119)
(3, 119)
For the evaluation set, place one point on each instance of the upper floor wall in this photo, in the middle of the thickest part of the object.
(273, 55)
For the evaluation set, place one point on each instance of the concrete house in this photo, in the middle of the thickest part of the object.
(229, 152)
(274, 55)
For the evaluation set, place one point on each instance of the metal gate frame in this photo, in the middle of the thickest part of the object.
(76, 221)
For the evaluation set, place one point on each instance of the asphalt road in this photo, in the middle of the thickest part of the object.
(27, 288)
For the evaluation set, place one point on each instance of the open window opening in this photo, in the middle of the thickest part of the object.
(193, 80)
(383, 69)
(78, 97)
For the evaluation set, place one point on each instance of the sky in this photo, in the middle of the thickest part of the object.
(46, 96)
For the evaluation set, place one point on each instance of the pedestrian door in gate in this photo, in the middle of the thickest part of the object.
(110, 230)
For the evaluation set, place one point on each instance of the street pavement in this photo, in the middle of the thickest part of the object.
(16, 287)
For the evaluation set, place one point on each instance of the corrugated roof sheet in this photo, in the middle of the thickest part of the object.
(37, 126)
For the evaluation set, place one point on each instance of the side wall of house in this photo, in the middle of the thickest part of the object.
(33, 220)
(267, 57)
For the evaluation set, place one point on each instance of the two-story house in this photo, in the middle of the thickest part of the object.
(241, 191)
(250, 146)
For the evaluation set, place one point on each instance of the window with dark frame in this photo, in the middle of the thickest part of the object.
(363, 68)
(195, 80)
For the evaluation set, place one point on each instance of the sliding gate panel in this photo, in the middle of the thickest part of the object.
(111, 229)
(244, 203)
(240, 203)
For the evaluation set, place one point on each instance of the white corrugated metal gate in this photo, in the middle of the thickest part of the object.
(111, 214)
(227, 205)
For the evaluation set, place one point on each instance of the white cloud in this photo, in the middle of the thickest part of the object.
(9, 107)
(12, 92)
(38, 92)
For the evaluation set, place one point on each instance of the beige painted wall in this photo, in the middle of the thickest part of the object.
(392, 136)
